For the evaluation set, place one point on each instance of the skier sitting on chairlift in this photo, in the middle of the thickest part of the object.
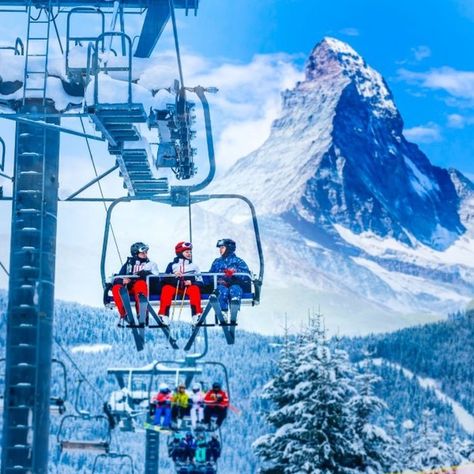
(187, 280)
(229, 285)
(197, 405)
(162, 400)
(216, 403)
(179, 403)
(138, 267)
(213, 451)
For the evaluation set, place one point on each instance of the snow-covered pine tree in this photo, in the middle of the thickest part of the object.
(321, 422)
(430, 452)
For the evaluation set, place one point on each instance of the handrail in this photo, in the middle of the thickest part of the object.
(97, 68)
(91, 54)
(19, 47)
(69, 38)
(206, 197)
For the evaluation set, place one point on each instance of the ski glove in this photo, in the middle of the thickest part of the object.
(228, 272)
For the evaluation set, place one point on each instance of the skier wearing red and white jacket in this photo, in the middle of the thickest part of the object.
(139, 267)
(216, 403)
(187, 280)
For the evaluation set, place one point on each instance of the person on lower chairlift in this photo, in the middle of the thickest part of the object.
(179, 403)
(216, 403)
(133, 275)
(187, 280)
(162, 401)
(229, 285)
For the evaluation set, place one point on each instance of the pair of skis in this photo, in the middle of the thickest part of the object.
(228, 328)
(138, 328)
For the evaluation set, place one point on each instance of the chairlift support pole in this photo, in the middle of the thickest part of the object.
(31, 296)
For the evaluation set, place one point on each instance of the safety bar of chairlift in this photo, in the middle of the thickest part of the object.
(206, 197)
(113, 456)
(194, 199)
(102, 445)
(189, 371)
(226, 374)
(69, 38)
(97, 68)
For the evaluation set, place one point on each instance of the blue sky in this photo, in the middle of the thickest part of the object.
(421, 47)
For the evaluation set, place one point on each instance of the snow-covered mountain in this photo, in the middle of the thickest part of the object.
(348, 206)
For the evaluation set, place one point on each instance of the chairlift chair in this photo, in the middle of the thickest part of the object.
(93, 444)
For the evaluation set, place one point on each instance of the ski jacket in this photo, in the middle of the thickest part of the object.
(137, 266)
(230, 262)
(216, 398)
(197, 399)
(162, 398)
(180, 399)
(189, 270)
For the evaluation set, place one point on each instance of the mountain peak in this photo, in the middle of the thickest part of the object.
(332, 57)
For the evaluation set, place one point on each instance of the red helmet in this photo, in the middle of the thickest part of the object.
(180, 247)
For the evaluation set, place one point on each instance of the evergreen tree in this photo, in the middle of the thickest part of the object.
(321, 413)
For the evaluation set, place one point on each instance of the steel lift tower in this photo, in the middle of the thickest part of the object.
(33, 231)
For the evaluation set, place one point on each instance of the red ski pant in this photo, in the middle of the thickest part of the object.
(168, 292)
(135, 287)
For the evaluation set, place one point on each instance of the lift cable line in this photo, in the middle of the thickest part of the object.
(100, 188)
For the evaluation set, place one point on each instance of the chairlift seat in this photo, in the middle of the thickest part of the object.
(155, 284)
(85, 445)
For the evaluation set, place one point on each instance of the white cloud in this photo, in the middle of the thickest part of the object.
(459, 84)
(459, 121)
(421, 52)
(247, 102)
(350, 31)
(428, 133)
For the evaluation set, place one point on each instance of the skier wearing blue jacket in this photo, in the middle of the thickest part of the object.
(229, 285)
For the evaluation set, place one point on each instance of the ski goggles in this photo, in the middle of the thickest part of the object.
(143, 249)
(187, 245)
(221, 243)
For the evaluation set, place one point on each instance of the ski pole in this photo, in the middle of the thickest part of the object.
(182, 303)
(175, 299)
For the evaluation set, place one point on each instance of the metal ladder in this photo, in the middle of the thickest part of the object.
(37, 52)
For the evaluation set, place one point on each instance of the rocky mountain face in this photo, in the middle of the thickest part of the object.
(337, 174)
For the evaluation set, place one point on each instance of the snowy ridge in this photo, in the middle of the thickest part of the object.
(334, 55)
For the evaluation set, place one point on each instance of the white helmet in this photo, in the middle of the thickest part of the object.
(196, 387)
(163, 387)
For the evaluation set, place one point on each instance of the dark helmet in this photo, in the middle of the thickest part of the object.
(180, 247)
(216, 386)
(229, 245)
(138, 247)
